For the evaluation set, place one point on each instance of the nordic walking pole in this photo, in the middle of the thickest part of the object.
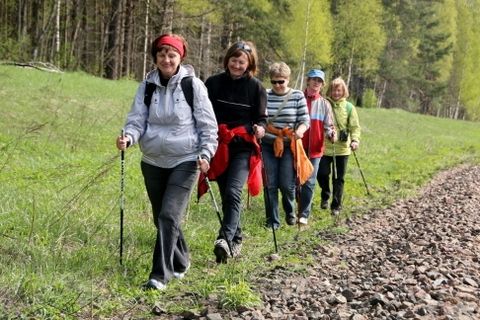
(122, 196)
(207, 181)
(361, 172)
(265, 193)
(298, 187)
(218, 215)
(334, 162)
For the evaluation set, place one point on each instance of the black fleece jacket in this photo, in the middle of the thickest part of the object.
(237, 102)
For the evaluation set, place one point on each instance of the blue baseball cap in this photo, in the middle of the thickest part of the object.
(316, 73)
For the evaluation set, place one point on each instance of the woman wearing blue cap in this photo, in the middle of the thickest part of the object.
(321, 126)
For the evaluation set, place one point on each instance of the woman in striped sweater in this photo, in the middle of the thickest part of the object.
(287, 119)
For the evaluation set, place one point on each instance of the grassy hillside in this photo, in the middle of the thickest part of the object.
(59, 213)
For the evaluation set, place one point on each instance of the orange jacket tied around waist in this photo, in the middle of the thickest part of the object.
(302, 164)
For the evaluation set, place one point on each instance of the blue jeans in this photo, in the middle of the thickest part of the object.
(280, 174)
(308, 190)
(169, 192)
(230, 185)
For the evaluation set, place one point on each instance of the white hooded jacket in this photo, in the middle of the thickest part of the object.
(168, 132)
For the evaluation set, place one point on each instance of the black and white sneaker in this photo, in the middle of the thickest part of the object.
(221, 250)
(335, 212)
(153, 284)
(236, 249)
(291, 221)
(324, 204)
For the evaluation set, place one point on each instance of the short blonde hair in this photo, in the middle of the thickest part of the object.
(338, 82)
(279, 69)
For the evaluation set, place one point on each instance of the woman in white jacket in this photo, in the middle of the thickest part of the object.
(172, 135)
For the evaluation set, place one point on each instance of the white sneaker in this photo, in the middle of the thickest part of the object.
(181, 275)
(303, 220)
(155, 285)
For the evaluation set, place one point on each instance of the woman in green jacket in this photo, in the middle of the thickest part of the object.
(335, 158)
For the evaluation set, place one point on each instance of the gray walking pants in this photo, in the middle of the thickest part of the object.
(169, 192)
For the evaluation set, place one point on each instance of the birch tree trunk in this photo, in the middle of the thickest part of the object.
(128, 44)
(167, 21)
(350, 65)
(305, 44)
(457, 108)
(382, 94)
(57, 29)
(119, 50)
(208, 65)
(111, 67)
(146, 40)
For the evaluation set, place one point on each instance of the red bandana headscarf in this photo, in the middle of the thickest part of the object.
(173, 42)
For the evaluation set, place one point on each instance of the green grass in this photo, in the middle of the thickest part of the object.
(59, 202)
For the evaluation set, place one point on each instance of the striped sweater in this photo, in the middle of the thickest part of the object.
(294, 112)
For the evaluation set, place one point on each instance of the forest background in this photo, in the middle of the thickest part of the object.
(418, 55)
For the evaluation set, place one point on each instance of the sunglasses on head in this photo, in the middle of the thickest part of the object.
(277, 81)
(243, 46)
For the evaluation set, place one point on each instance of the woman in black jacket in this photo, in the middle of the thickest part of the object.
(239, 102)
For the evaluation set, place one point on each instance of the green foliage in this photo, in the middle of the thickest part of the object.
(396, 67)
(13, 50)
(359, 37)
(309, 27)
(369, 99)
(59, 172)
(238, 294)
(466, 62)
(433, 54)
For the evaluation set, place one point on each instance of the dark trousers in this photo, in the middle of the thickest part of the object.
(230, 185)
(169, 192)
(323, 177)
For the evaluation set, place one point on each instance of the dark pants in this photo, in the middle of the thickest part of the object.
(280, 176)
(169, 192)
(230, 185)
(323, 177)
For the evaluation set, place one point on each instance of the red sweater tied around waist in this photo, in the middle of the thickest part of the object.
(220, 161)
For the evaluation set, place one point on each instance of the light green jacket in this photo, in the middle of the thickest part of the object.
(343, 120)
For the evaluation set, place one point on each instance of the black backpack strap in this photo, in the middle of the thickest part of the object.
(187, 88)
(149, 90)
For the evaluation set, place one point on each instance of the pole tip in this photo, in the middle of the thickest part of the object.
(274, 257)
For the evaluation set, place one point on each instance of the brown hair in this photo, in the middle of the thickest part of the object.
(174, 39)
(338, 82)
(236, 50)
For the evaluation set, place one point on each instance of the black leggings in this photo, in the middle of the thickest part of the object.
(323, 178)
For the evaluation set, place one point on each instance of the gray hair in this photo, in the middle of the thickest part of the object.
(279, 69)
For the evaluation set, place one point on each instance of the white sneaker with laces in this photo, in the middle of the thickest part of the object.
(303, 220)
(155, 284)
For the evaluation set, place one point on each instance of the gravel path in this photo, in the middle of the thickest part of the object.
(418, 259)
